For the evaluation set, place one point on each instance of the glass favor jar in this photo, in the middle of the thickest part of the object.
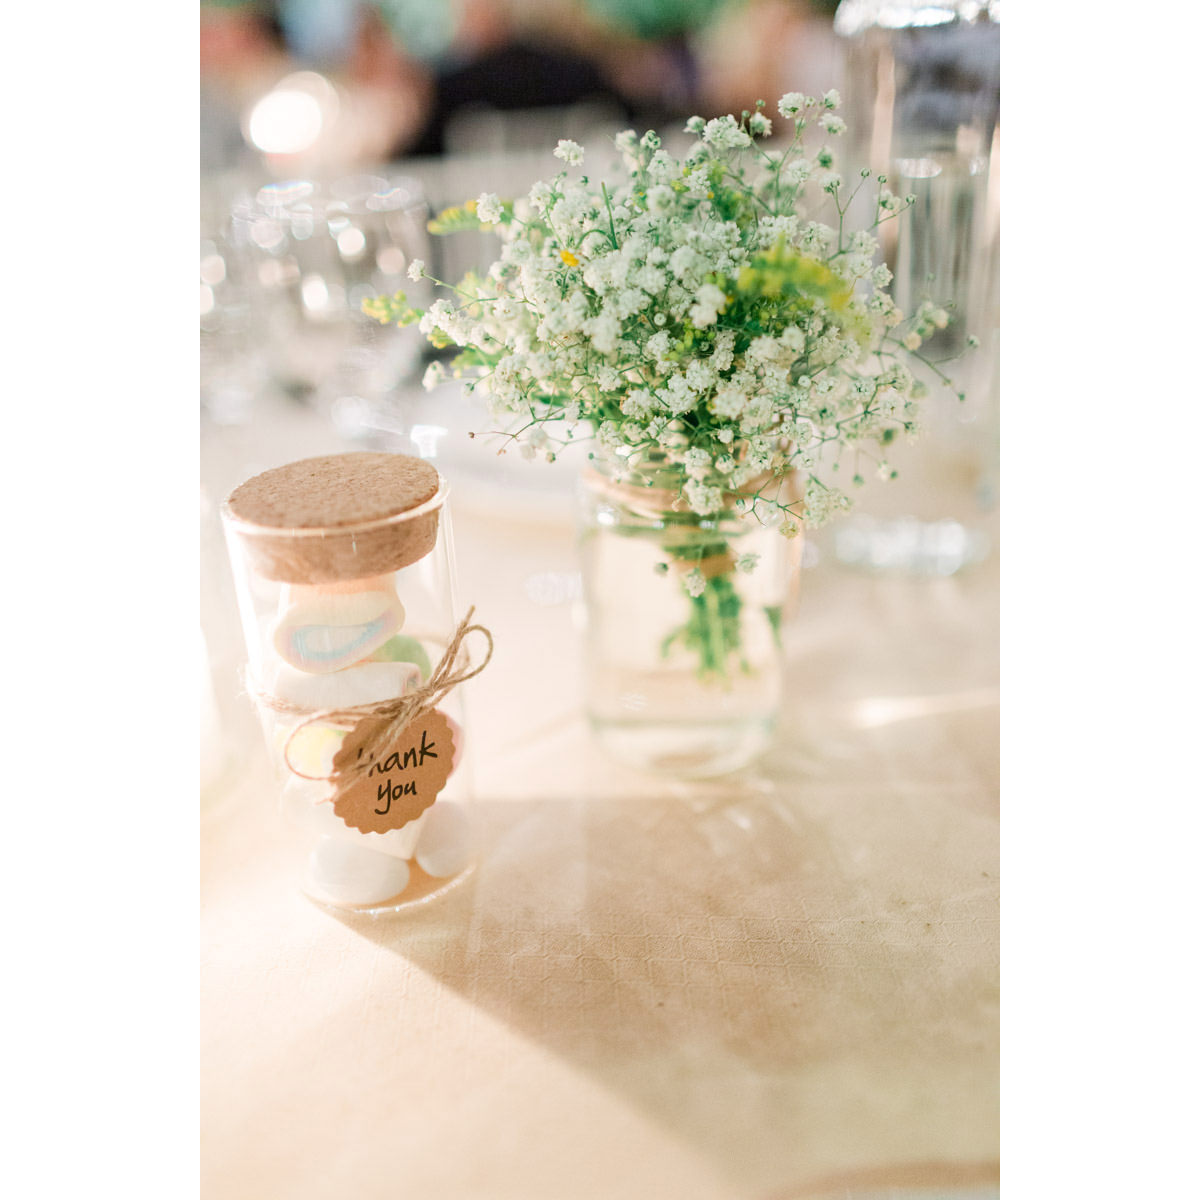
(684, 660)
(344, 576)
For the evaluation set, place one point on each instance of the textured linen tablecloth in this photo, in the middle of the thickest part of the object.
(783, 984)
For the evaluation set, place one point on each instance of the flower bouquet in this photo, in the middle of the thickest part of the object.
(735, 360)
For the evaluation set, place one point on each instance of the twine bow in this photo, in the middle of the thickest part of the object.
(392, 716)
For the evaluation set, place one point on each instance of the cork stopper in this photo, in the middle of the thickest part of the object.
(338, 517)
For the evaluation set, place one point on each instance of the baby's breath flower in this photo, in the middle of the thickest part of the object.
(701, 498)
(792, 338)
(697, 183)
(700, 374)
(659, 199)
(541, 195)
(639, 404)
(796, 172)
(724, 133)
(659, 345)
(608, 379)
(710, 301)
(790, 103)
(759, 125)
(695, 582)
(746, 562)
(689, 311)
(697, 462)
(570, 152)
(488, 208)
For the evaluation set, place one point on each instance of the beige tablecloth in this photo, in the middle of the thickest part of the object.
(780, 985)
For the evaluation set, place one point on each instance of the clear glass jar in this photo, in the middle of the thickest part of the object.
(922, 90)
(337, 617)
(681, 679)
(923, 107)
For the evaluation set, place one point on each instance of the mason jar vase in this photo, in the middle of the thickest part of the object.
(684, 620)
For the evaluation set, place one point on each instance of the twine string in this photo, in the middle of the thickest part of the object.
(391, 716)
(653, 500)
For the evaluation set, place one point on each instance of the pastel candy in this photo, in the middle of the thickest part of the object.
(347, 874)
(444, 847)
(325, 632)
(311, 749)
(403, 648)
(361, 684)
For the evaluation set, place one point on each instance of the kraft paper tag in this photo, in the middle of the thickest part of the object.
(403, 779)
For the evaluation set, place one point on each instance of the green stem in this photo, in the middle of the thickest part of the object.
(612, 229)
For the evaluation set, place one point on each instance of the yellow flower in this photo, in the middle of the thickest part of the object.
(568, 258)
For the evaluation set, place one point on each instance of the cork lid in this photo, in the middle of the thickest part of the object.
(338, 517)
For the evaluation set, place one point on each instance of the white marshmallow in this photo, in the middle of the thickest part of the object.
(363, 684)
(345, 874)
(445, 846)
(306, 805)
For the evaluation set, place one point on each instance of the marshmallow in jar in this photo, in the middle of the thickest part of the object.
(344, 579)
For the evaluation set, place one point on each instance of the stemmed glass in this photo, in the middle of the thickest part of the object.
(312, 251)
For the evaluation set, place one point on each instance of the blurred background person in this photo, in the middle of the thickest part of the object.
(426, 78)
(759, 49)
(374, 95)
(507, 57)
(241, 55)
(651, 49)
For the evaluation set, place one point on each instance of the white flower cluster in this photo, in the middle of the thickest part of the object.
(697, 311)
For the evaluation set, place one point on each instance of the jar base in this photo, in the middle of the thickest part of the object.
(421, 889)
(684, 749)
